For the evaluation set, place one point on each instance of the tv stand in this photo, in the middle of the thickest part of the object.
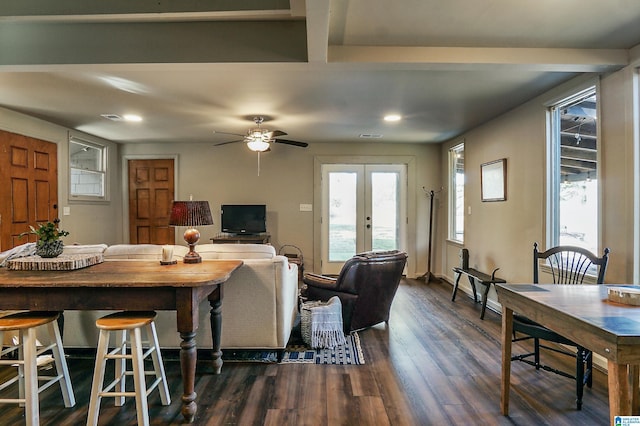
(241, 239)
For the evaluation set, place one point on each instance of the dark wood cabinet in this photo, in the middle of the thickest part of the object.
(241, 239)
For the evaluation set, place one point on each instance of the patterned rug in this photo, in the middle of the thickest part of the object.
(296, 352)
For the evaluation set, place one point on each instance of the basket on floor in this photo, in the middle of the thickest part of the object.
(295, 258)
(321, 323)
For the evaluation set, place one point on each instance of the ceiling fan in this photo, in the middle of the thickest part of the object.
(259, 139)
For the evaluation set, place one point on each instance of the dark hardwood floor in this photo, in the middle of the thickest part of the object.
(436, 363)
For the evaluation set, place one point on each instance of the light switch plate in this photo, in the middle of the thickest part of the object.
(66, 211)
(306, 207)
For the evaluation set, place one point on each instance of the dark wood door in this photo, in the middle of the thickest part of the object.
(151, 191)
(28, 186)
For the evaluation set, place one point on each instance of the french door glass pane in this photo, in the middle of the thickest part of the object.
(342, 216)
(384, 211)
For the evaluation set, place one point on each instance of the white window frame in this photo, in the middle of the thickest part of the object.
(454, 194)
(102, 171)
(553, 163)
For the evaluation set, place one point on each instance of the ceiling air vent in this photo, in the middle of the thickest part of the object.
(112, 117)
(370, 136)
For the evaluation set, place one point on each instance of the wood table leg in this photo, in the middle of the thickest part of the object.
(507, 331)
(619, 397)
(634, 373)
(215, 300)
(188, 358)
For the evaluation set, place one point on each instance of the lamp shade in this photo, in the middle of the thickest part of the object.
(190, 213)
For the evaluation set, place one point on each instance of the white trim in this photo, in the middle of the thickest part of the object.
(551, 226)
(635, 114)
(88, 140)
(453, 193)
(409, 161)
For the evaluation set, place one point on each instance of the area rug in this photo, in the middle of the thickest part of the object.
(348, 354)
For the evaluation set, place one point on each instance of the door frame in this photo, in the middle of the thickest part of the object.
(125, 185)
(408, 161)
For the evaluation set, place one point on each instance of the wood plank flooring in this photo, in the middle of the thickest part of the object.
(436, 363)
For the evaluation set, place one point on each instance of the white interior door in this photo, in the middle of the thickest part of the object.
(363, 209)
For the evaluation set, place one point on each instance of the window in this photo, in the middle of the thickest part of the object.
(87, 164)
(456, 194)
(573, 172)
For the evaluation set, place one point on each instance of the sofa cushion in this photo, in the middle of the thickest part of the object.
(141, 251)
(236, 251)
(84, 249)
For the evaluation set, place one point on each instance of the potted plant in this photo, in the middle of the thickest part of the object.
(48, 235)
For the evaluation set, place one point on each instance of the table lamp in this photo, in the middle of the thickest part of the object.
(191, 214)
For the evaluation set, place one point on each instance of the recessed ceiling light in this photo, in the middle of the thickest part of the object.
(132, 117)
(112, 117)
(392, 117)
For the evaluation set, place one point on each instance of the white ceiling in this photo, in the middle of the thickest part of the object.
(327, 71)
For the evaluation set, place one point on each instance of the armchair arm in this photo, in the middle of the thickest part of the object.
(316, 280)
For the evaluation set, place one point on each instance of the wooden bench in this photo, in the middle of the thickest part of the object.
(476, 276)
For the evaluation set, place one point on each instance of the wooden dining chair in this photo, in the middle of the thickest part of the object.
(568, 265)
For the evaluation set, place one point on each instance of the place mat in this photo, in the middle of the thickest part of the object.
(524, 287)
(64, 262)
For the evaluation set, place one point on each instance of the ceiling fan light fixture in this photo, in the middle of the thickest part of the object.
(258, 145)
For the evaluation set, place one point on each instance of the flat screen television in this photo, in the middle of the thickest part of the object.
(245, 219)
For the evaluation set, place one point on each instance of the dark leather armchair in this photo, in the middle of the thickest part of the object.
(366, 287)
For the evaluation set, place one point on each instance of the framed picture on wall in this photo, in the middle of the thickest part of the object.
(493, 180)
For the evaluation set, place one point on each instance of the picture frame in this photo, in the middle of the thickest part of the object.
(493, 180)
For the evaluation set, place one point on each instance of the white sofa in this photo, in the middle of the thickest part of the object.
(259, 305)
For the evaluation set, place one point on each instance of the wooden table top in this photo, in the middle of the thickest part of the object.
(581, 313)
(120, 273)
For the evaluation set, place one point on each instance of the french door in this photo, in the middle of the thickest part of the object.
(363, 208)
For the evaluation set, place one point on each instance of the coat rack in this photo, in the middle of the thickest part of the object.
(428, 275)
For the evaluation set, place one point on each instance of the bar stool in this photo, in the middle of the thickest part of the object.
(128, 323)
(25, 323)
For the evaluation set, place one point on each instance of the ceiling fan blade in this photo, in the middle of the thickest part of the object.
(225, 143)
(294, 143)
(226, 133)
(277, 133)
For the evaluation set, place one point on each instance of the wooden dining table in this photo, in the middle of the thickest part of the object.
(585, 315)
(132, 285)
